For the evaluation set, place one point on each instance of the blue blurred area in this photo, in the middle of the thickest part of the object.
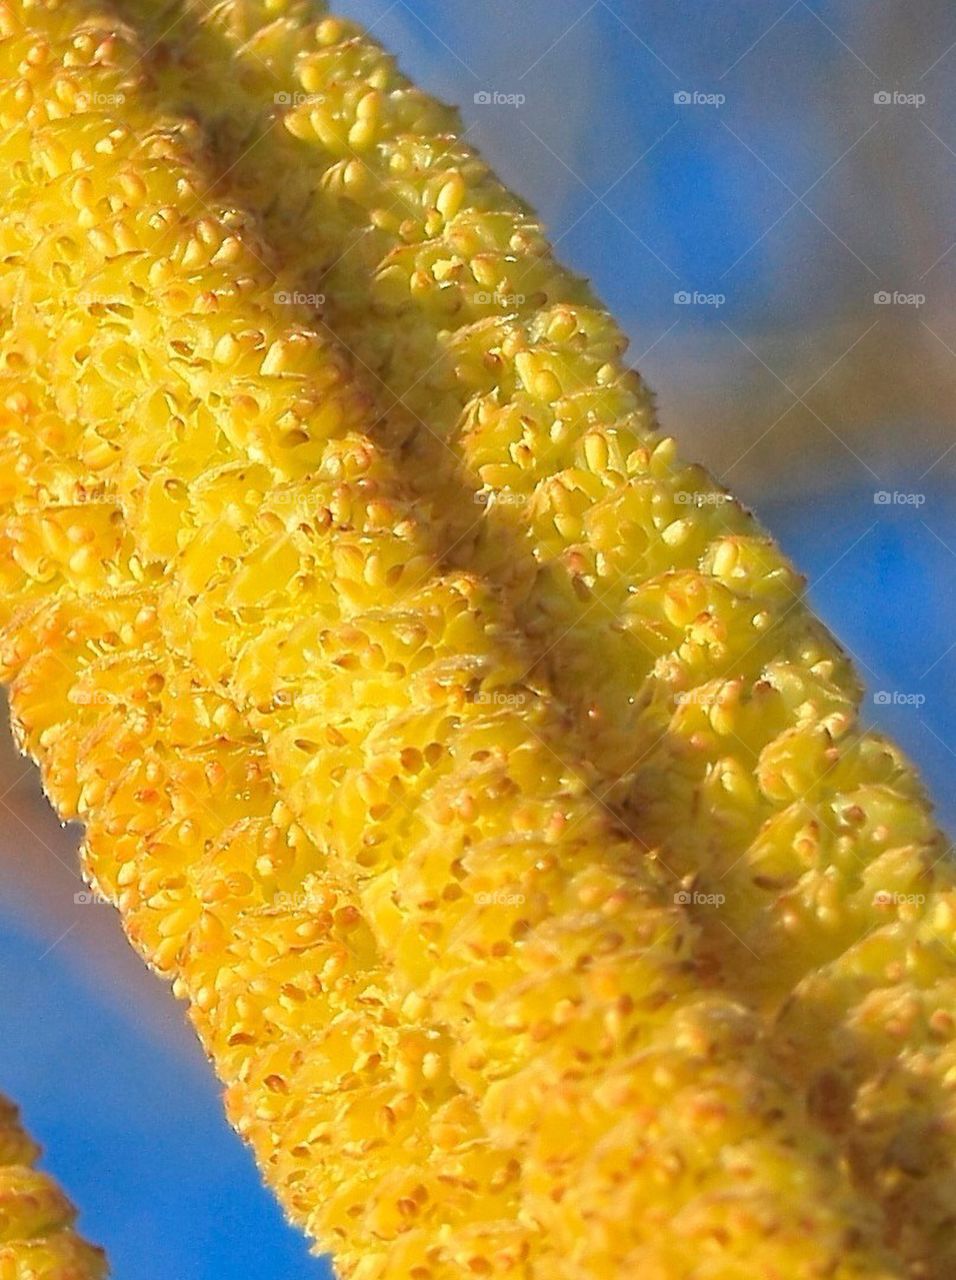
(133, 1126)
(647, 197)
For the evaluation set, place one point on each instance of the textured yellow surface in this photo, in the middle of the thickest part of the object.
(468, 761)
(37, 1240)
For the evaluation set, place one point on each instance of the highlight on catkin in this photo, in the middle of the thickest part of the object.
(417, 705)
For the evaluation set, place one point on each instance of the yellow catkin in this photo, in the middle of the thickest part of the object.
(471, 1023)
(37, 1240)
(724, 717)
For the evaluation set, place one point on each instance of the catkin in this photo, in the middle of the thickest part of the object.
(465, 991)
(723, 718)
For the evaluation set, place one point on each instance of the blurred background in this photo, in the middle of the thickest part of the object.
(763, 192)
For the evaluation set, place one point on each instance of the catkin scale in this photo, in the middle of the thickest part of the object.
(295, 565)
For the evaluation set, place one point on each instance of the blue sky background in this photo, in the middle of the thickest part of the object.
(650, 198)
